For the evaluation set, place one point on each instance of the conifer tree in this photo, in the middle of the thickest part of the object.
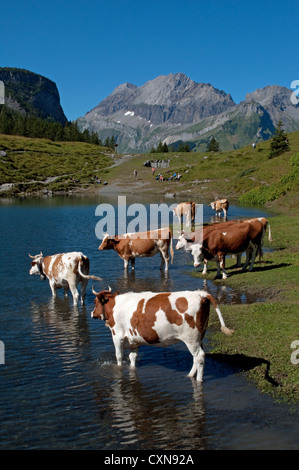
(160, 147)
(279, 142)
(213, 145)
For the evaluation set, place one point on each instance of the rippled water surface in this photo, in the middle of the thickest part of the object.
(60, 387)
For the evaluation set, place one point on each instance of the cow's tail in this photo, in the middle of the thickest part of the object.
(171, 247)
(86, 276)
(224, 328)
(269, 233)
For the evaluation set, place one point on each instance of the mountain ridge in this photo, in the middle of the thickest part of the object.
(170, 107)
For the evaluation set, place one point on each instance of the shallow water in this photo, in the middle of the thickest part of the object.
(60, 387)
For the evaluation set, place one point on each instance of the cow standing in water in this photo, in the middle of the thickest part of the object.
(65, 270)
(220, 205)
(187, 209)
(140, 244)
(161, 319)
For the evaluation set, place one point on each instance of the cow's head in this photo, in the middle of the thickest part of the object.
(197, 253)
(108, 243)
(36, 265)
(212, 204)
(183, 241)
(102, 298)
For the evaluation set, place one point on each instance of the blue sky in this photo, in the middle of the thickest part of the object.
(90, 47)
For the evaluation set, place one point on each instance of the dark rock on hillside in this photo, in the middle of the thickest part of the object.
(30, 93)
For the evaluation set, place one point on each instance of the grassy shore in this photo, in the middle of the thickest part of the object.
(264, 331)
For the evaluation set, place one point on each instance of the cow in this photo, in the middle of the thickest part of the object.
(187, 209)
(220, 205)
(161, 319)
(186, 240)
(234, 239)
(65, 270)
(141, 244)
(265, 225)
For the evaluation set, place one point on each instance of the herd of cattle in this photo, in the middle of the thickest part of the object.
(163, 318)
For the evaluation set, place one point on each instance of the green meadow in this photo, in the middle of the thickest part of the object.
(37, 164)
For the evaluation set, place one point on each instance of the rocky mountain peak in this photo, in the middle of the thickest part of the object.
(173, 108)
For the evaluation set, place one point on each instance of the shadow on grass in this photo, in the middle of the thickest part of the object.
(244, 363)
(264, 268)
(238, 271)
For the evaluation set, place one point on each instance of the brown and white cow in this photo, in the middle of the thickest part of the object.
(141, 244)
(161, 319)
(65, 270)
(187, 209)
(220, 205)
(234, 239)
(186, 240)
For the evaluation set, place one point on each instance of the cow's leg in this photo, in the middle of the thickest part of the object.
(164, 260)
(84, 283)
(133, 357)
(248, 257)
(239, 258)
(253, 256)
(260, 252)
(222, 266)
(66, 292)
(133, 263)
(118, 345)
(75, 293)
(198, 361)
(188, 219)
(205, 266)
(218, 275)
(53, 289)
(126, 263)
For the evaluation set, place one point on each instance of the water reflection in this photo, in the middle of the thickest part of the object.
(127, 282)
(61, 327)
(147, 415)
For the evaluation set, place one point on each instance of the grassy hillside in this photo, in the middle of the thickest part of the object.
(37, 164)
(246, 175)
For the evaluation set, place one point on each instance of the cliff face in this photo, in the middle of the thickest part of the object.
(174, 108)
(30, 93)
